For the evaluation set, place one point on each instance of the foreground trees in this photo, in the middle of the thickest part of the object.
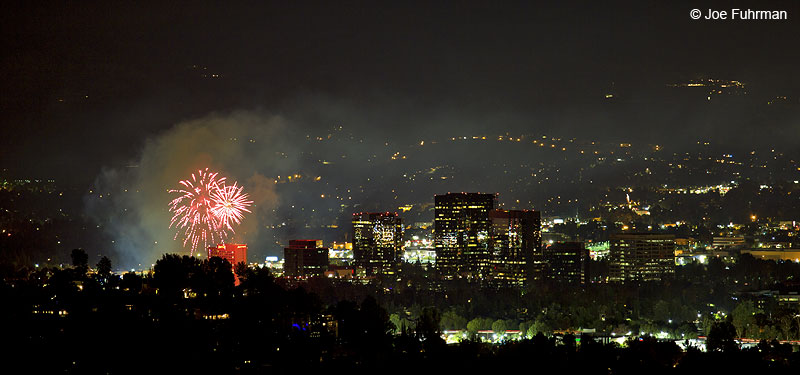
(188, 314)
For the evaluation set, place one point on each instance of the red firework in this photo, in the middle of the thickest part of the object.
(206, 209)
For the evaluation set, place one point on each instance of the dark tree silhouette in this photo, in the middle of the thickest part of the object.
(258, 281)
(80, 260)
(216, 278)
(104, 267)
(240, 269)
(131, 282)
(173, 273)
(428, 325)
(569, 342)
(721, 337)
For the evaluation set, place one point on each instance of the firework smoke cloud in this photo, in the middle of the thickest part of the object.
(131, 203)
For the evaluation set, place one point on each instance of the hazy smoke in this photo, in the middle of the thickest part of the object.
(131, 203)
(351, 157)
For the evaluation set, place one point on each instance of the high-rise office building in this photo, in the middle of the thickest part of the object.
(377, 242)
(305, 258)
(516, 247)
(567, 262)
(461, 235)
(641, 257)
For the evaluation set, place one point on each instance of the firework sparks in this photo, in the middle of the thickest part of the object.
(230, 204)
(206, 209)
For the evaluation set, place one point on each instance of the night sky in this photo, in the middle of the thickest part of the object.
(86, 83)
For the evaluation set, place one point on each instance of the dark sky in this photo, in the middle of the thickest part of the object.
(84, 84)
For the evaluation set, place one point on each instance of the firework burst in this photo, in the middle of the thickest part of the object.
(230, 204)
(206, 209)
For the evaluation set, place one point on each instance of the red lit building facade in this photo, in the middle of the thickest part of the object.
(232, 252)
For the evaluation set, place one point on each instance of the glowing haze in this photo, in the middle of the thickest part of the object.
(133, 212)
